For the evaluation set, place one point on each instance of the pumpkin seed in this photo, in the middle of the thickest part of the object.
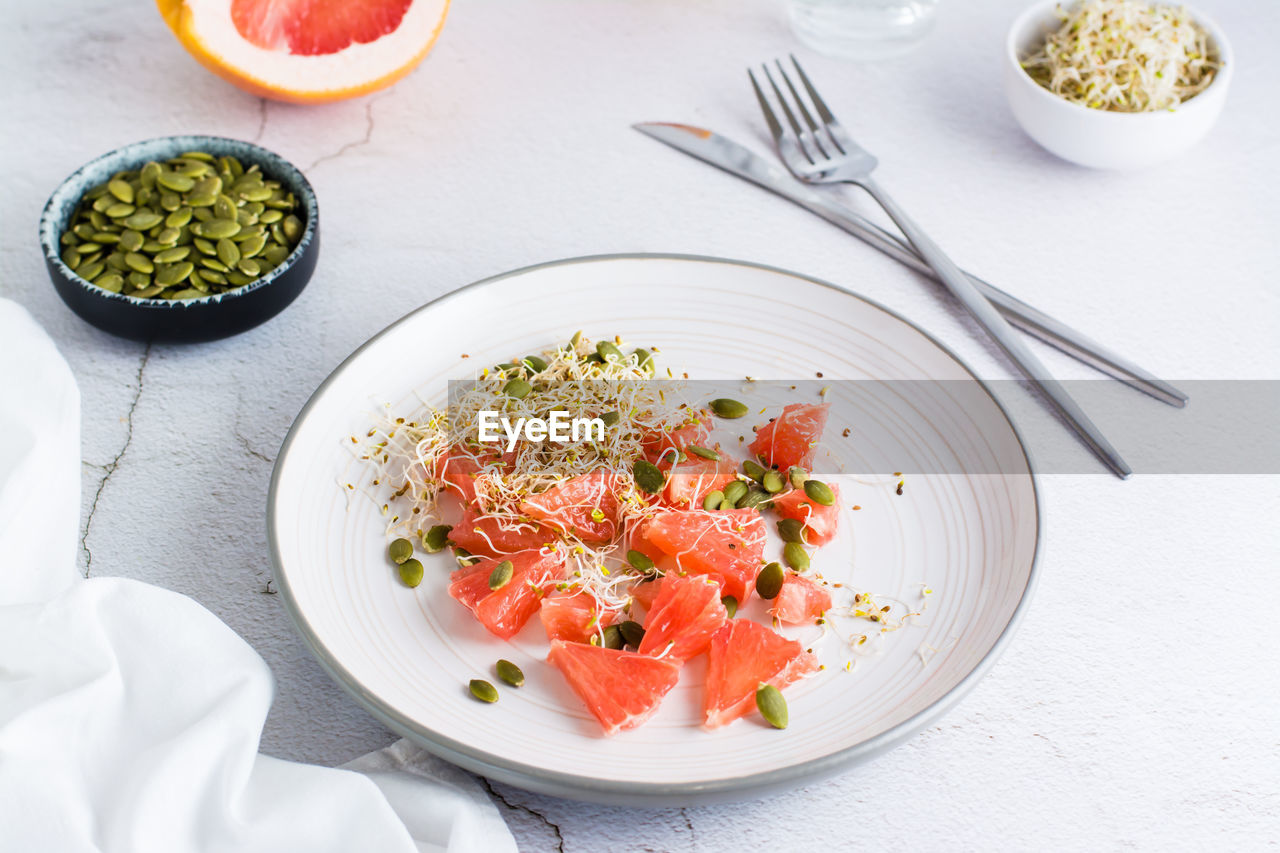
(797, 476)
(647, 476)
(644, 360)
(147, 292)
(769, 581)
(143, 220)
(249, 267)
(71, 258)
(215, 265)
(501, 574)
(730, 604)
(292, 227)
(148, 173)
(754, 499)
(534, 363)
(609, 352)
(639, 561)
(613, 638)
(270, 215)
(111, 281)
(771, 705)
(216, 229)
(792, 530)
(483, 690)
(753, 469)
(174, 181)
(400, 550)
(772, 482)
(517, 388)
(174, 273)
(131, 241)
(436, 538)
(169, 256)
(90, 270)
(704, 452)
(632, 633)
(735, 491)
(510, 673)
(411, 572)
(105, 237)
(713, 500)
(726, 408)
(202, 200)
(610, 418)
(122, 190)
(819, 492)
(119, 210)
(139, 280)
(187, 293)
(796, 556)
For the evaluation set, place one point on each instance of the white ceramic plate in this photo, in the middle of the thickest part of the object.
(407, 655)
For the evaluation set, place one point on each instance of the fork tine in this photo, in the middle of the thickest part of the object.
(770, 119)
(804, 111)
(791, 119)
(828, 120)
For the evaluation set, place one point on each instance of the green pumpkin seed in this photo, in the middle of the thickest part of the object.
(257, 194)
(270, 215)
(187, 293)
(704, 452)
(639, 561)
(131, 241)
(174, 181)
(411, 572)
(292, 227)
(168, 236)
(535, 363)
(143, 220)
(148, 173)
(730, 604)
(735, 491)
(632, 633)
(238, 278)
(796, 556)
(792, 530)
(119, 210)
(510, 673)
(400, 550)
(115, 261)
(84, 231)
(436, 538)
(610, 418)
(102, 203)
(769, 581)
(224, 207)
(771, 705)
(613, 638)
(88, 248)
(644, 360)
(483, 690)
(169, 256)
(609, 352)
(121, 190)
(249, 267)
(217, 229)
(197, 281)
(253, 245)
(139, 280)
(772, 482)
(517, 388)
(111, 281)
(713, 500)
(174, 273)
(726, 408)
(754, 499)
(753, 469)
(501, 575)
(275, 254)
(153, 246)
(215, 265)
(148, 292)
(648, 476)
(798, 476)
(212, 276)
(71, 258)
(105, 237)
(178, 218)
(90, 270)
(202, 200)
(819, 492)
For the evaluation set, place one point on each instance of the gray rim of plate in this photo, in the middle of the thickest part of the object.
(588, 787)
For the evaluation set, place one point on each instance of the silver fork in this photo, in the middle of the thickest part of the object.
(826, 154)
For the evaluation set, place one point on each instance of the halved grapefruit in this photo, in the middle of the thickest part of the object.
(622, 689)
(307, 51)
(742, 655)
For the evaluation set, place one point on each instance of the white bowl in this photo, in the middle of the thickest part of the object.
(1103, 139)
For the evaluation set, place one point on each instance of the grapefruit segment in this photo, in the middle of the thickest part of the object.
(584, 506)
(574, 618)
(685, 613)
(486, 535)
(693, 479)
(791, 437)
(800, 600)
(307, 51)
(820, 522)
(505, 611)
(726, 544)
(622, 689)
(741, 656)
(658, 444)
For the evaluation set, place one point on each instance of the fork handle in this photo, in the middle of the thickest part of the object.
(986, 314)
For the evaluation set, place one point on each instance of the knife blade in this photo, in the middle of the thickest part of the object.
(736, 159)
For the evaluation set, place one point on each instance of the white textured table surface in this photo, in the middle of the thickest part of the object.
(1138, 706)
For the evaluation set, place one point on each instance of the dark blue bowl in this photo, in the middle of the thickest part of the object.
(205, 319)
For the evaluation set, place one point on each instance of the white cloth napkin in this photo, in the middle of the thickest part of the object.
(130, 715)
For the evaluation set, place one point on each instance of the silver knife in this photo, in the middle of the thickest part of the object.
(738, 160)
